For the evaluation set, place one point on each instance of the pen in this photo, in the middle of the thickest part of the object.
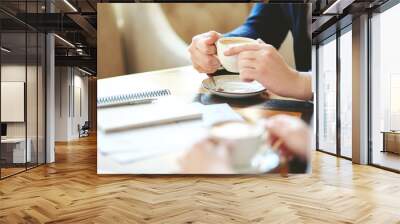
(125, 103)
(283, 164)
(212, 79)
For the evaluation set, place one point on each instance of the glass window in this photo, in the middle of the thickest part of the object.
(327, 96)
(385, 87)
(14, 150)
(346, 94)
(41, 99)
(22, 92)
(32, 95)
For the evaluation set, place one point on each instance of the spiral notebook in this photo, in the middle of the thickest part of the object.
(132, 98)
(167, 109)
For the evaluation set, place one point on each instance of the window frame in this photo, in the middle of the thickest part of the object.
(333, 37)
(27, 29)
(378, 10)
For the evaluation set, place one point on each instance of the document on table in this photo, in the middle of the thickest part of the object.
(217, 113)
(142, 143)
(137, 144)
(167, 110)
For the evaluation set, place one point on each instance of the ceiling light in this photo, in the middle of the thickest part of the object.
(70, 5)
(84, 71)
(65, 41)
(337, 7)
(5, 50)
(333, 6)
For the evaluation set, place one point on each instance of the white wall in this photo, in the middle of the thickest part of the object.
(33, 127)
(62, 82)
(16, 73)
(70, 84)
(82, 83)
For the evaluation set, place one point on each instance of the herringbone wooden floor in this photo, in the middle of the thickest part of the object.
(70, 191)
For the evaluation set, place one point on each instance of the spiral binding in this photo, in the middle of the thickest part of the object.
(133, 96)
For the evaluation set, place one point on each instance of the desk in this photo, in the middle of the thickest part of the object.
(391, 141)
(185, 83)
(17, 152)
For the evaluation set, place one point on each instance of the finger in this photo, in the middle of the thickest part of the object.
(200, 69)
(205, 60)
(204, 48)
(212, 37)
(275, 124)
(218, 62)
(191, 49)
(285, 152)
(208, 63)
(246, 64)
(272, 139)
(246, 74)
(205, 43)
(244, 47)
(260, 41)
(214, 140)
(251, 55)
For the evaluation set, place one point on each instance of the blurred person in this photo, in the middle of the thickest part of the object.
(211, 156)
(269, 23)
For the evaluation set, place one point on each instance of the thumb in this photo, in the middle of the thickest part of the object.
(260, 41)
(275, 127)
(212, 37)
(245, 79)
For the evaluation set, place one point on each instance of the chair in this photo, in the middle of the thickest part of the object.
(145, 37)
(84, 130)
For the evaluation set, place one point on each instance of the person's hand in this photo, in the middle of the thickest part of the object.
(294, 134)
(262, 62)
(203, 52)
(207, 157)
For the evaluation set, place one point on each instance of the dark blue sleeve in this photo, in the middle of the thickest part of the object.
(267, 22)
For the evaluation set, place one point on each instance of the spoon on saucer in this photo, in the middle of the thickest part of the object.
(215, 85)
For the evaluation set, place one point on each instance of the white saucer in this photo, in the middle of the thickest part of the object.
(263, 162)
(231, 86)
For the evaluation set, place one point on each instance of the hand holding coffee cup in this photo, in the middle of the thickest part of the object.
(295, 136)
(207, 157)
(243, 138)
(230, 147)
(262, 62)
(230, 62)
(203, 52)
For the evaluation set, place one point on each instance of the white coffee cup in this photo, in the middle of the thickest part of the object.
(243, 138)
(230, 63)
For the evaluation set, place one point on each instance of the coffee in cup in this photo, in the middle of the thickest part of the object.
(230, 63)
(244, 139)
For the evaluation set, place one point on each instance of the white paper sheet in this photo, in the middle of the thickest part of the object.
(143, 143)
(170, 140)
(217, 113)
(165, 110)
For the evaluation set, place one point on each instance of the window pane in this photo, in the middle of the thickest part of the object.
(14, 150)
(31, 97)
(346, 94)
(41, 99)
(327, 97)
(386, 89)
